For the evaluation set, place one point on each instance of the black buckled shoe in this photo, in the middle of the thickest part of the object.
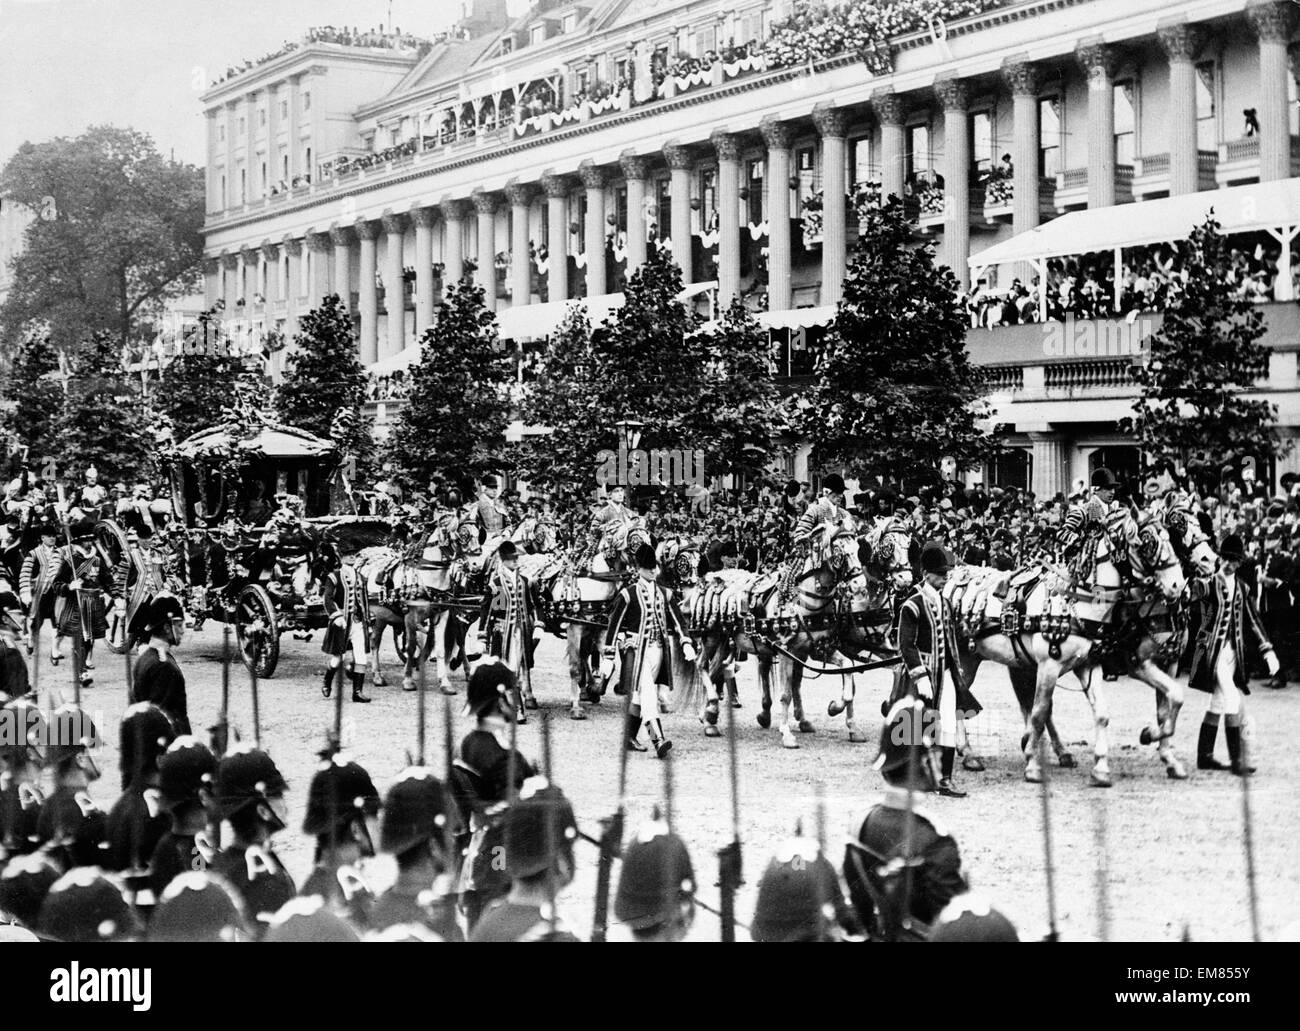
(949, 789)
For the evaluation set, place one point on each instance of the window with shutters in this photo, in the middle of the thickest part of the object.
(1125, 122)
(261, 116)
(537, 34)
(221, 134)
(284, 109)
(805, 166)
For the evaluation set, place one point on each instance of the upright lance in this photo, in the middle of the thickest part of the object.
(730, 864)
(611, 836)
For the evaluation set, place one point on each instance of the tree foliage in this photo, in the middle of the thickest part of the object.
(454, 421)
(199, 379)
(32, 394)
(1204, 358)
(894, 389)
(117, 232)
(738, 404)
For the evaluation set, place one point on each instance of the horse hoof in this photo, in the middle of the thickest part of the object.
(447, 689)
(787, 740)
(711, 731)
(1066, 761)
(1145, 737)
(835, 707)
(1033, 774)
(577, 714)
(806, 728)
(765, 719)
(378, 681)
(408, 684)
(1100, 780)
(1176, 771)
(973, 764)
(857, 737)
(530, 703)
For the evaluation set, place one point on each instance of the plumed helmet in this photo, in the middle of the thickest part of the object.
(489, 684)
(86, 905)
(415, 811)
(163, 612)
(935, 558)
(23, 733)
(24, 883)
(306, 919)
(539, 828)
(187, 766)
(71, 734)
(198, 906)
(145, 734)
(1104, 479)
(246, 776)
(657, 877)
(1232, 549)
(970, 918)
(340, 790)
(901, 735)
(645, 557)
(507, 550)
(796, 896)
(833, 483)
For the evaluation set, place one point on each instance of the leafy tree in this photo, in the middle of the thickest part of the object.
(894, 390)
(199, 379)
(1203, 360)
(118, 232)
(323, 378)
(32, 393)
(738, 406)
(454, 421)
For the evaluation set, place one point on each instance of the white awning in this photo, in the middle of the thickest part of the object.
(1239, 209)
(403, 359)
(796, 318)
(534, 321)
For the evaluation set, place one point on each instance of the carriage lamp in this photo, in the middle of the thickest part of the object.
(630, 431)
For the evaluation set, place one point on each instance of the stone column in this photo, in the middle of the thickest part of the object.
(636, 170)
(425, 218)
(1021, 78)
(681, 162)
(832, 123)
(295, 129)
(1050, 474)
(232, 198)
(342, 237)
(1181, 43)
(367, 295)
(211, 281)
(778, 137)
(1272, 23)
(293, 284)
(888, 108)
(593, 178)
(318, 246)
(453, 239)
(520, 196)
(727, 147)
(271, 259)
(1098, 62)
(954, 95)
(231, 264)
(394, 287)
(485, 274)
(557, 189)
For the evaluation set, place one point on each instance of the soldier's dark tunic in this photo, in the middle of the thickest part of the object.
(173, 854)
(355, 895)
(72, 819)
(401, 905)
(20, 814)
(491, 764)
(161, 681)
(136, 823)
(511, 922)
(14, 679)
(938, 879)
(257, 874)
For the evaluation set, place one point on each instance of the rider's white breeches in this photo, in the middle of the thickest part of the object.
(948, 717)
(1226, 700)
(647, 685)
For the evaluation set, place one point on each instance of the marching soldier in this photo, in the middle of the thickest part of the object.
(417, 829)
(927, 639)
(137, 822)
(1085, 523)
(347, 604)
(540, 830)
(656, 889)
(799, 898)
(507, 619)
(71, 826)
(87, 906)
(198, 907)
(24, 732)
(341, 805)
(36, 586)
(643, 616)
(1275, 605)
(84, 584)
(157, 676)
(187, 777)
(250, 795)
(1229, 625)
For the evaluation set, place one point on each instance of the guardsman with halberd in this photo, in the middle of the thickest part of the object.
(23, 734)
(418, 830)
(250, 795)
(927, 639)
(540, 831)
(36, 580)
(187, 777)
(137, 821)
(342, 803)
(876, 862)
(507, 619)
(347, 639)
(1230, 633)
(1085, 523)
(84, 583)
(157, 676)
(656, 888)
(643, 617)
(71, 826)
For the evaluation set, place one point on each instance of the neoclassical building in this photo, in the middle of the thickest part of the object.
(541, 153)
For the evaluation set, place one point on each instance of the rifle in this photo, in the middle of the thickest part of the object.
(730, 861)
(220, 732)
(257, 714)
(550, 822)
(611, 832)
(1248, 844)
(1052, 933)
(421, 685)
(916, 728)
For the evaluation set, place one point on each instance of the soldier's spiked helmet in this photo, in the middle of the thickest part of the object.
(24, 884)
(970, 918)
(187, 767)
(489, 687)
(657, 878)
(86, 905)
(145, 734)
(198, 906)
(796, 896)
(340, 791)
(539, 828)
(70, 737)
(245, 777)
(307, 919)
(415, 811)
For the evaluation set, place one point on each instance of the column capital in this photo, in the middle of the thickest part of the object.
(831, 121)
(726, 144)
(292, 246)
(426, 217)
(485, 202)
(367, 230)
(270, 251)
(1271, 22)
(952, 93)
(231, 261)
(633, 165)
(1181, 42)
(678, 156)
(1021, 76)
(778, 135)
(394, 222)
(556, 185)
(249, 253)
(593, 176)
(888, 107)
(453, 209)
(341, 235)
(211, 264)
(520, 193)
(1097, 59)
(318, 241)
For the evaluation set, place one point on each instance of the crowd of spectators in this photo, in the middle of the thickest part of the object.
(378, 37)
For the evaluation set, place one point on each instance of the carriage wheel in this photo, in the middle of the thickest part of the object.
(257, 630)
(113, 543)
